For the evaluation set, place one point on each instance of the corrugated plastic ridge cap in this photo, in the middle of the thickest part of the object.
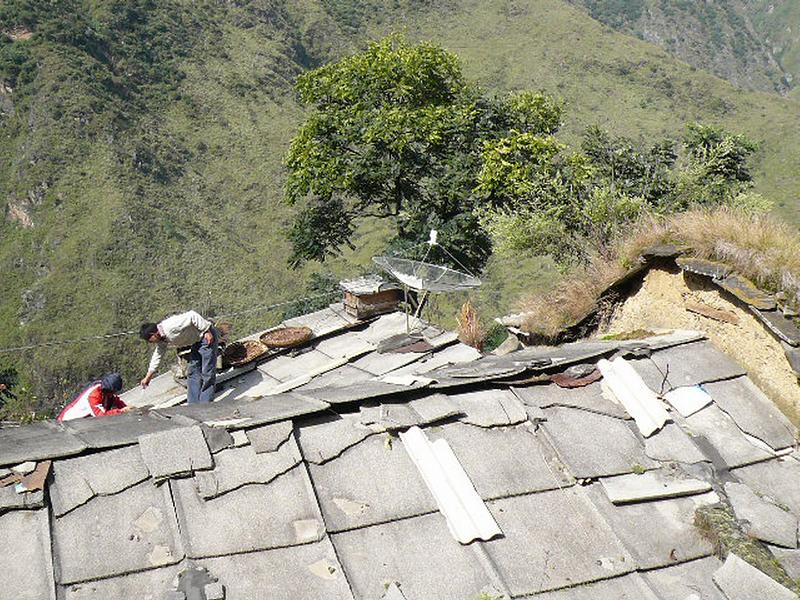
(467, 516)
(639, 400)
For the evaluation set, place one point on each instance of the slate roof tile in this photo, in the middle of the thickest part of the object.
(380, 364)
(777, 479)
(490, 408)
(521, 460)
(538, 553)
(739, 580)
(763, 520)
(287, 366)
(456, 354)
(682, 581)
(673, 444)
(321, 322)
(27, 571)
(122, 430)
(117, 534)
(419, 554)
(253, 517)
(268, 438)
(77, 480)
(237, 467)
(753, 412)
(677, 540)
(588, 398)
(307, 571)
(326, 438)
(347, 345)
(344, 376)
(694, 363)
(37, 441)
(627, 587)
(365, 390)
(175, 452)
(152, 583)
(594, 445)
(371, 482)
(712, 427)
(11, 500)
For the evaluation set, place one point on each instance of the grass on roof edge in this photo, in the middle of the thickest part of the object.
(758, 246)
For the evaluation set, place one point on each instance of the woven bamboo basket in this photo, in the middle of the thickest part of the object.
(241, 353)
(286, 337)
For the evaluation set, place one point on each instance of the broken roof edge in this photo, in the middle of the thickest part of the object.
(776, 318)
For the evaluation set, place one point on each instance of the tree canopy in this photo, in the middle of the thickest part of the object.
(395, 132)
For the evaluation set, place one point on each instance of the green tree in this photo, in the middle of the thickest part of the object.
(395, 132)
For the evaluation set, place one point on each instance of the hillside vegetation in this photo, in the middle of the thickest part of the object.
(751, 44)
(141, 164)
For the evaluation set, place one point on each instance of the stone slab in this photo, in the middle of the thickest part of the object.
(671, 444)
(322, 322)
(686, 581)
(380, 364)
(344, 376)
(307, 571)
(327, 437)
(588, 398)
(505, 461)
(372, 482)
(726, 439)
(490, 408)
(237, 467)
(175, 452)
(141, 534)
(789, 560)
(538, 553)
(27, 571)
(287, 367)
(77, 480)
(701, 266)
(37, 441)
(746, 291)
(234, 522)
(254, 384)
(11, 500)
(364, 390)
(698, 362)
(419, 554)
(345, 345)
(147, 585)
(651, 485)
(764, 520)
(395, 416)
(753, 411)
(678, 539)
(739, 580)
(782, 327)
(119, 430)
(775, 479)
(627, 587)
(245, 413)
(452, 355)
(217, 438)
(593, 445)
(268, 438)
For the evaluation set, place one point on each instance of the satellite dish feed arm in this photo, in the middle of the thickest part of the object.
(434, 236)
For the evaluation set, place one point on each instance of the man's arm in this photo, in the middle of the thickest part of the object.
(202, 324)
(155, 360)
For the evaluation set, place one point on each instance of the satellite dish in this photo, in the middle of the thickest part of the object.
(426, 277)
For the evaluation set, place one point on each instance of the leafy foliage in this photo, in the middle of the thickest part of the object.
(547, 200)
(395, 132)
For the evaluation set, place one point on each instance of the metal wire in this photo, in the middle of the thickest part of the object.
(120, 334)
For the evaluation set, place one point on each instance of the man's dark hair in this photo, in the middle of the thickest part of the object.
(148, 330)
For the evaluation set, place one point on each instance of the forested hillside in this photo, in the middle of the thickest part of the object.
(141, 164)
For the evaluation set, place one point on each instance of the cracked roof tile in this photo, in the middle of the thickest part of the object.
(175, 452)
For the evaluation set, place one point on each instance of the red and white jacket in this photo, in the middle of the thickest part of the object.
(89, 403)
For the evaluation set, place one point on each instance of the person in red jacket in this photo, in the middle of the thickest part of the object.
(100, 399)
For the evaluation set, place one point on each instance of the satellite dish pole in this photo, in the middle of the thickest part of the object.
(425, 277)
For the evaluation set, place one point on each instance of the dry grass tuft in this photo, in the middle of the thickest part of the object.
(470, 329)
(760, 247)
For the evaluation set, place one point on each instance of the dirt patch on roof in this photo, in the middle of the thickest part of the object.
(671, 299)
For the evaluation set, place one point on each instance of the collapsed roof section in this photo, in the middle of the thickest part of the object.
(311, 493)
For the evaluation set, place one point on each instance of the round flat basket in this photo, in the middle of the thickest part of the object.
(287, 337)
(241, 353)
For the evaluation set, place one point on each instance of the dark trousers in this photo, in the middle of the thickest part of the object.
(201, 372)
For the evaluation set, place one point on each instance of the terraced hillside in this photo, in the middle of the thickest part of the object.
(140, 168)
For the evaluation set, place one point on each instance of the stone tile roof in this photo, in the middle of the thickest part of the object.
(310, 493)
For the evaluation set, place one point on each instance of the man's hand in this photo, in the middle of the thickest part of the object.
(209, 338)
(146, 381)
(126, 409)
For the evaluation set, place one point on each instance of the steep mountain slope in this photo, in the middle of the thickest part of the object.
(752, 44)
(141, 168)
